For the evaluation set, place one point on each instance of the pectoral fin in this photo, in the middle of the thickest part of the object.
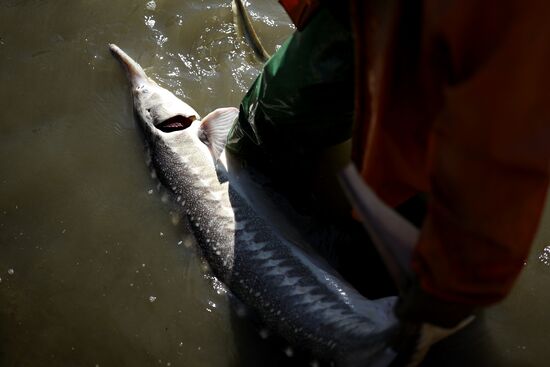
(214, 129)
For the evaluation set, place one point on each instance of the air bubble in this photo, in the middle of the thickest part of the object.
(289, 352)
(240, 311)
(544, 257)
(264, 333)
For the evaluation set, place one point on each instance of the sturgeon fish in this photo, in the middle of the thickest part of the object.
(294, 291)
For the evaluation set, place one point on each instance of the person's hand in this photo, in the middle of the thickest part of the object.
(425, 320)
(416, 339)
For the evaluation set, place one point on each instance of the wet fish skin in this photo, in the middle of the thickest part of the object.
(293, 291)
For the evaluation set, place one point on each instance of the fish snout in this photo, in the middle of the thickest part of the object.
(134, 71)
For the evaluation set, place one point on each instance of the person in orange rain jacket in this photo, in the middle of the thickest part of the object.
(451, 99)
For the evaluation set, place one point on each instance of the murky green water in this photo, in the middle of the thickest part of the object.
(93, 271)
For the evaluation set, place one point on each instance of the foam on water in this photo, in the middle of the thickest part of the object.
(544, 257)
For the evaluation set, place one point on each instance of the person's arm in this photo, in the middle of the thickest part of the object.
(300, 11)
(452, 100)
(489, 173)
(490, 169)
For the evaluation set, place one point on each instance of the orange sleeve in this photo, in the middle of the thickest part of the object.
(489, 149)
(300, 11)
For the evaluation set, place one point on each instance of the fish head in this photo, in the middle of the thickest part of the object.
(157, 108)
(164, 117)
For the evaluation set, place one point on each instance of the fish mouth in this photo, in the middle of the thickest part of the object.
(175, 123)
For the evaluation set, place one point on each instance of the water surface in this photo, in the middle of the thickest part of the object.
(93, 271)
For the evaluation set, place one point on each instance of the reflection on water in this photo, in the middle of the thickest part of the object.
(93, 269)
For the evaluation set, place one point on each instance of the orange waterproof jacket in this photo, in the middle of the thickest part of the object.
(453, 99)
